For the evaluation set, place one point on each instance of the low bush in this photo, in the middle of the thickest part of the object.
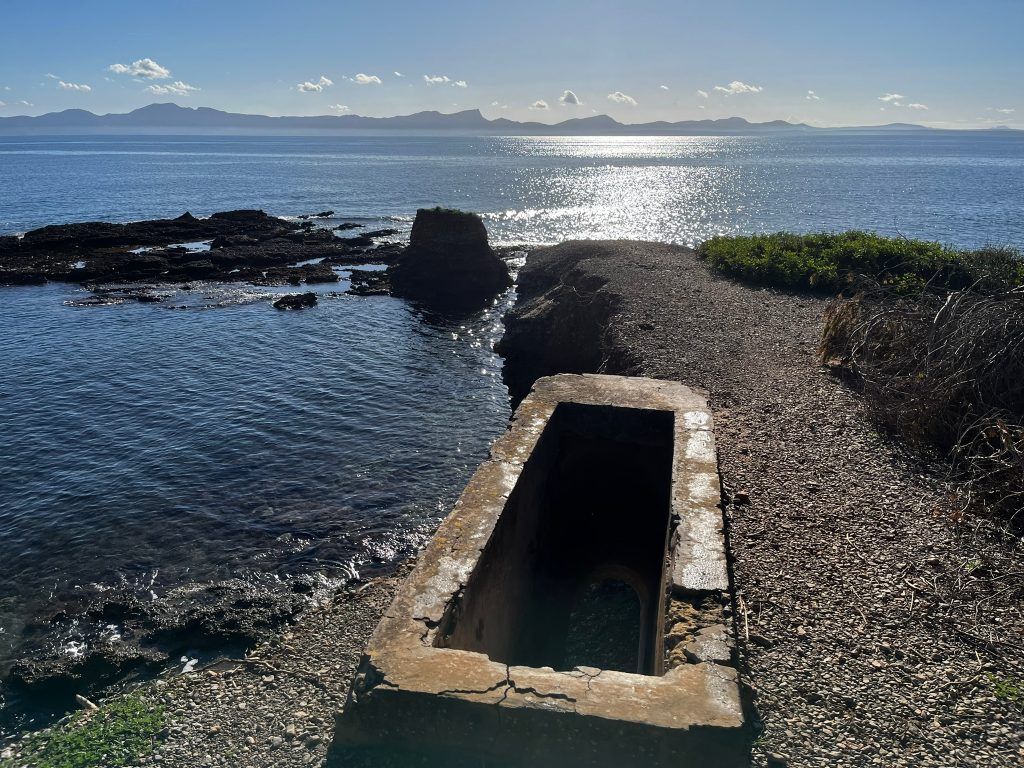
(833, 261)
(945, 371)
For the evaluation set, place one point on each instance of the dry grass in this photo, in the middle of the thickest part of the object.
(945, 371)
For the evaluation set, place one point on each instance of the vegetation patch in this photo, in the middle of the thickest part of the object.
(933, 336)
(831, 261)
(117, 734)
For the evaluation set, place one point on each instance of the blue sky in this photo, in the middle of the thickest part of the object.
(955, 64)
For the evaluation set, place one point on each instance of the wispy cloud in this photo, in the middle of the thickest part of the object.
(398, 74)
(737, 87)
(539, 104)
(896, 100)
(702, 94)
(1005, 110)
(569, 99)
(26, 103)
(664, 87)
(362, 79)
(177, 88)
(73, 86)
(444, 80)
(621, 98)
(317, 87)
(144, 68)
(339, 108)
(3, 104)
(499, 105)
(812, 96)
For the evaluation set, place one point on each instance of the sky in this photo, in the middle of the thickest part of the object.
(829, 62)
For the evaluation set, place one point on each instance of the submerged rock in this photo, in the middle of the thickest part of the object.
(449, 263)
(296, 301)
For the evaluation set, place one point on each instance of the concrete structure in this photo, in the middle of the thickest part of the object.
(571, 609)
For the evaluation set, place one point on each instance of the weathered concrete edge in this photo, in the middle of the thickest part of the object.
(400, 660)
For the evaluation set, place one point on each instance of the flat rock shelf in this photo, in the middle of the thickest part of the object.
(570, 610)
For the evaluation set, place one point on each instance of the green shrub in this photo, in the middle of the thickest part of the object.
(117, 734)
(832, 261)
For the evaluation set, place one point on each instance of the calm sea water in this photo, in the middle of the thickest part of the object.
(149, 446)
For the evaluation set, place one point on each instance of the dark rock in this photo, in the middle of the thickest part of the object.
(63, 676)
(380, 233)
(296, 301)
(448, 264)
(366, 282)
(21, 277)
(347, 225)
(556, 294)
(195, 270)
(319, 273)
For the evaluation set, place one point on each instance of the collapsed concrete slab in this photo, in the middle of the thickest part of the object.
(571, 609)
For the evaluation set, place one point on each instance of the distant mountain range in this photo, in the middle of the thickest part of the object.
(171, 117)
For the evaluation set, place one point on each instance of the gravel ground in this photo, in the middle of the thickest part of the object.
(278, 708)
(873, 629)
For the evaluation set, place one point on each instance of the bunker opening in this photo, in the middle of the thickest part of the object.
(574, 572)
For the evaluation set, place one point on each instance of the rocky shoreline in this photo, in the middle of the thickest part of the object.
(247, 246)
(122, 634)
(872, 629)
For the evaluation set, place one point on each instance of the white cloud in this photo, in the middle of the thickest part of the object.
(398, 74)
(620, 98)
(26, 103)
(444, 80)
(539, 104)
(52, 76)
(917, 106)
(702, 94)
(1006, 111)
(73, 86)
(738, 87)
(340, 108)
(812, 96)
(362, 79)
(664, 87)
(317, 87)
(177, 88)
(892, 98)
(145, 68)
(570, 99)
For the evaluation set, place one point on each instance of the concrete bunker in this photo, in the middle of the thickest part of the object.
(572, 609)
(573, 573)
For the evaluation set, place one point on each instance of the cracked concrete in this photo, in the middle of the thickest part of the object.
(413, 693)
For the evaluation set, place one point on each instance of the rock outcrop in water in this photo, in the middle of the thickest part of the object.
(296, 301)
(245, 246)
(449, 263)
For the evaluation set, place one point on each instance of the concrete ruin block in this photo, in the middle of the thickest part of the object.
(532, 630)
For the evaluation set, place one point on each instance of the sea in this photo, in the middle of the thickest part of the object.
(146, 446)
